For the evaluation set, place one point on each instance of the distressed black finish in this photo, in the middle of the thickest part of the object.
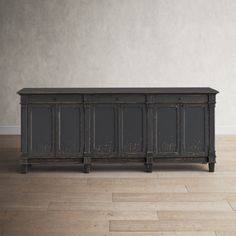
(90, 125)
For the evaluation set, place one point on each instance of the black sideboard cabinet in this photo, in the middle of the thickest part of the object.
(117, 125)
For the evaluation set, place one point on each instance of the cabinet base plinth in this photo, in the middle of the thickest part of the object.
(211, 167)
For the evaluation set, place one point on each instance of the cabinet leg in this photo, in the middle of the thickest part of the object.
(148, 167)
(87, 168)
(211, 167)
(24, 168)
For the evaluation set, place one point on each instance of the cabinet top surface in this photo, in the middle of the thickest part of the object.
(119, 90)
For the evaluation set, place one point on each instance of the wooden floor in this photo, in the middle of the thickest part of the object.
(180, 200)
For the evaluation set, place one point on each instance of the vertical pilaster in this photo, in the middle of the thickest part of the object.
(24, 135)
(211, 151)
(87, 135)
(149, 127)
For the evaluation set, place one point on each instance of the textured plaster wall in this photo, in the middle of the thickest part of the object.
(58, 43)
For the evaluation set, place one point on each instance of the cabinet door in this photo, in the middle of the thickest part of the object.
(69, 130)
(194, 130)
(132, 129)
(41, 130)
(166, 130)
(103, 129)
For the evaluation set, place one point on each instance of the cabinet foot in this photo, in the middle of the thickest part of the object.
(211, 167)
(87, 168)
(24, 168)
(148, 167)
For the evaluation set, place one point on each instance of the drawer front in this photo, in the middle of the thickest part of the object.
(114, 98)
(179, 98)
(54, 98)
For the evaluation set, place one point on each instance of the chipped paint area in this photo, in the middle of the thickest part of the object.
(168, 147)
(104, 148)
(133, 147)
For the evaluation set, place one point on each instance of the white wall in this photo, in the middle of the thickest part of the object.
(64, 43)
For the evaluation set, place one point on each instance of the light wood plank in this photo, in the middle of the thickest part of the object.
(114, 206)
(157, 182)
(197, 215)
(198, 174)
(225, 233)
(5, 198)
(159, 206)
(142, 234)
(198, 233)
(32, 233)
(187, 233)
(134, 185)
(177, 225)
(66, 225)
(96, 215)
(221, 188)
(181, 197)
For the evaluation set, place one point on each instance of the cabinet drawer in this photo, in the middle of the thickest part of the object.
(54, 98)
(179, 98)
(114, 98)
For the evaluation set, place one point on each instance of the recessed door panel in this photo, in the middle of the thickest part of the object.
(166, 130)
(194, 120)
(104, 128)
(41, 130)
(133, 128)
(69, 129)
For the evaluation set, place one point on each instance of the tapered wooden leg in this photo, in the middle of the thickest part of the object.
(148, 167)
(24, 168)
(211, 167)
(87, 164)
(87, 168)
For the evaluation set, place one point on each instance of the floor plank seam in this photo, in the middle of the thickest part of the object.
(109, 226)
(112, 197)
(230, 205)
(48, 209)
(186, 187)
